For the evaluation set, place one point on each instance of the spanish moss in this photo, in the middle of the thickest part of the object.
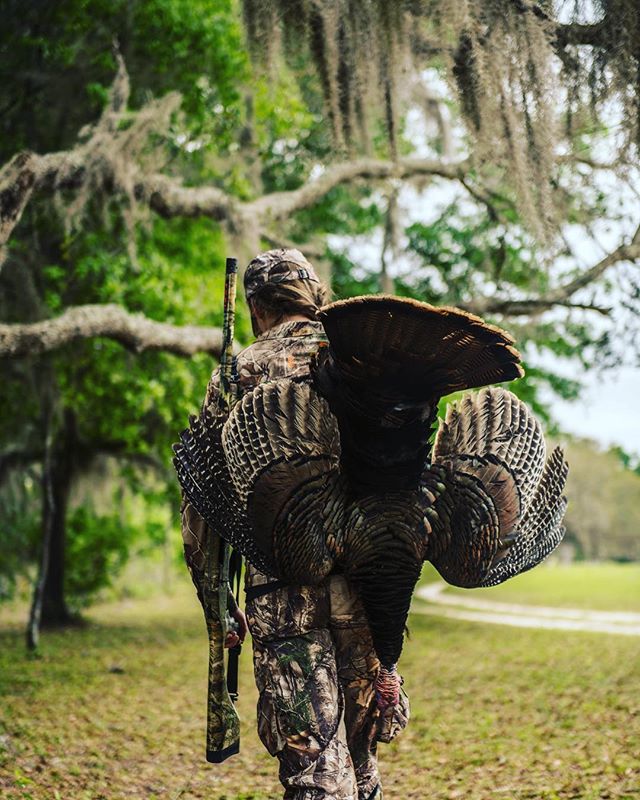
(527, 75)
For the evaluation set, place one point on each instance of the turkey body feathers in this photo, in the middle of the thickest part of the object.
(383, 556)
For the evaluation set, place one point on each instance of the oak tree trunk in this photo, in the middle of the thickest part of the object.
(48, 605)
(54, 607)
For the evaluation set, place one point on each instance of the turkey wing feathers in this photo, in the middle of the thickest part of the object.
(541, 529)
(282, 447)
(203, 473)
(502, 511)
(267, 480)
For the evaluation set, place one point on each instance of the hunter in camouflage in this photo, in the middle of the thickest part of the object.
(314, 660)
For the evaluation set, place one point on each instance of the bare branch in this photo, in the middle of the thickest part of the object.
(134, 331)
(576, 158)
(15, 459)
(169, 198)
(139, 333)
(278, 205)
(625, 252)
(575, 33)
(530, 306)
(27, 173)
(562, 295)
(17, 181)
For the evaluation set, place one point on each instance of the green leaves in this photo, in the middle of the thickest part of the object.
(467, 254)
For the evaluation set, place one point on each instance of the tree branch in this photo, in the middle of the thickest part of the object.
(169, 198)
(134, 331)
(279, 205)
(580, 34)
(13, 459)
(137, 332)
(532, 305)
(575, 33)
(562, 295)
(28, 173)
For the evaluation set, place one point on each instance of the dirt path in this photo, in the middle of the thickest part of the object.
(473, 609)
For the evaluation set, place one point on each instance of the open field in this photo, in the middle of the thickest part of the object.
(606, 587)
(116, 710)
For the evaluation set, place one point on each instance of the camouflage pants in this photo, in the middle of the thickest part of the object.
(314, 667)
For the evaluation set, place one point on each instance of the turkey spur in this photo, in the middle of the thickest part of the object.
(337, 473)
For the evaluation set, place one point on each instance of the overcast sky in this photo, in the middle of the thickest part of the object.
(609, 410)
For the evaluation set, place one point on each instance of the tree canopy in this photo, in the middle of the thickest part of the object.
(527, 75)
(142, 142)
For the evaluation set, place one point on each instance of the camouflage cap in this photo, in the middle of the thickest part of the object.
(277, 266)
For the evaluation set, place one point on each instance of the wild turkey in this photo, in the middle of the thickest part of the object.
(337, 473)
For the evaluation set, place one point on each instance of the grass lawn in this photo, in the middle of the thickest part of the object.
(116, 710)
(608, 587)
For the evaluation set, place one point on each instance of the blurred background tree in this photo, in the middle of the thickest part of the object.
(142, 144)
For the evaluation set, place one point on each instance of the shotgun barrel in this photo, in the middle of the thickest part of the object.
(228, 329)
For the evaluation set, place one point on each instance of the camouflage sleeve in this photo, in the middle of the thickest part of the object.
(248, 375)
(213, 390)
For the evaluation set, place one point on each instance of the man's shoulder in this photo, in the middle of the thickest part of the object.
(281, 352)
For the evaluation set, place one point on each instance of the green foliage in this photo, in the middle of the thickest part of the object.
(62, 65)
(20, 528)
(140, 400)
(248, 135)
(463, 253)
(98, 548)
(348, 281)
(340, 211)
(628, 460)
(122, 403)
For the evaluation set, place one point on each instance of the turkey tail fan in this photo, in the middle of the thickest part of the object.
(282, 449)
(503, 508)
(431, 350)
(202, 472)
(390, 360)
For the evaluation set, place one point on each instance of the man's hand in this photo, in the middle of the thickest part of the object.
(236, 637)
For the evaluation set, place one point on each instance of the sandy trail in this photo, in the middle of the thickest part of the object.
(473, 609)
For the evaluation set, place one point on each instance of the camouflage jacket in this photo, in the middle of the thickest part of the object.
(283, 351)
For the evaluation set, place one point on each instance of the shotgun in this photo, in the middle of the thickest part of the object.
(223, 725)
